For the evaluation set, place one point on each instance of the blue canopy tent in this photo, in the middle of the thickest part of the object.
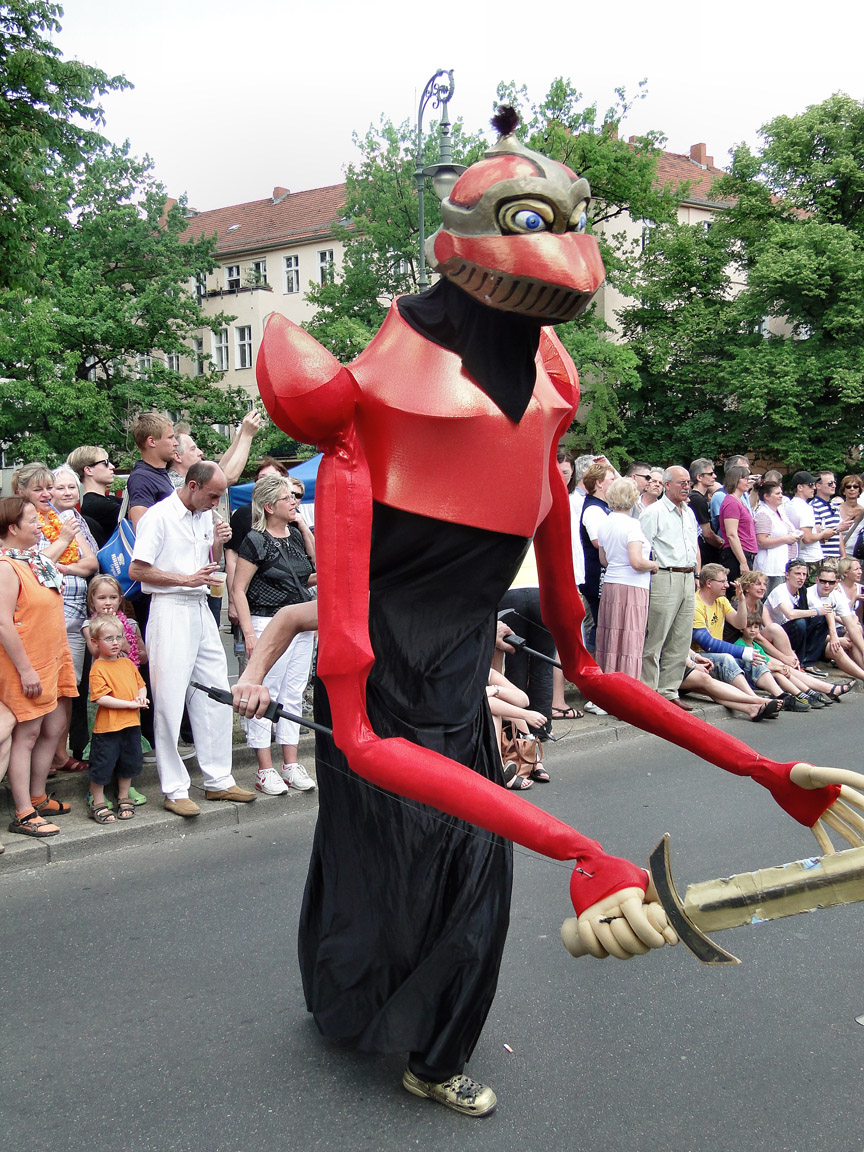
(241, 494)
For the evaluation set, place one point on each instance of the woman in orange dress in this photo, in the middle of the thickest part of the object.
(35, 665)
(64, 543)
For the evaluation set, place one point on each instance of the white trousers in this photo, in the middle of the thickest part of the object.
(183, 644)
(286, 682)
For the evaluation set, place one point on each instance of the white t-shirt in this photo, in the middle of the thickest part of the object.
(803, 516)
(837, 598)
(592, 519)
(577, 499)
(780, 595)
(616, 532)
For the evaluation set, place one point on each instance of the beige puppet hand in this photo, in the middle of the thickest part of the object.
(627, 923)
(846, 815)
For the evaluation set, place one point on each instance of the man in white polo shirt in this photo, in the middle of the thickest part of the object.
(177, 548)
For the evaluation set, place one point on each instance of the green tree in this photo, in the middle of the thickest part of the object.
(92, 348)
(48, 115)
(752, 336)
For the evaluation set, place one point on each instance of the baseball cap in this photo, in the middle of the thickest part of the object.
(803, 478)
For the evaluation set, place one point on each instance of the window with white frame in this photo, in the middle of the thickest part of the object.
(198, 356)
(325, 266)
(172, 361)
(292, 273)
(220, 350)
(201, 285)
(232, 277)
(143, 362)
(243, 346)
(258, 272)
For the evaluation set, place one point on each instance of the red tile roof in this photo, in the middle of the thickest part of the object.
(675, 169)
(264, 224)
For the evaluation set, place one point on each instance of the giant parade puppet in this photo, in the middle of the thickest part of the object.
(406, 906)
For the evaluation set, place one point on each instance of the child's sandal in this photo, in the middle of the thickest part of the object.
(125, 809)
(101, 813)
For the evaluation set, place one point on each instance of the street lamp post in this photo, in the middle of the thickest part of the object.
(445, 173)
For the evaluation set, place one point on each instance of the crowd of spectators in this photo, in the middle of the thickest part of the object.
(70, 635)
(697, 580)
(693, 580)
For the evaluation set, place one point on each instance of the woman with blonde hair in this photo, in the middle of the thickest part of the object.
(624, 553)
(65, 542)
(275, 568)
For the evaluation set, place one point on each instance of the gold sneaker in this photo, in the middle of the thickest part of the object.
(460, 1093)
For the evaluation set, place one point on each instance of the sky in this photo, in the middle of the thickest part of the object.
(231, 99)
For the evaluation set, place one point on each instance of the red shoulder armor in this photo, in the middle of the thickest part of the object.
(305, 389)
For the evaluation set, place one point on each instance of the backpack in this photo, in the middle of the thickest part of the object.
(116, 555)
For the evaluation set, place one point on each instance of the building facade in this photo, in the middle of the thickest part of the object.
(269, 252)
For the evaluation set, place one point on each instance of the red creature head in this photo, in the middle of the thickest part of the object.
(513, 233)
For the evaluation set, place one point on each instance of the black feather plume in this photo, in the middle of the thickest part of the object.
(505, 120)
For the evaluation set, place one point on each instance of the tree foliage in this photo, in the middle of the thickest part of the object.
(48, 115)
(751, 336)
(106, 278)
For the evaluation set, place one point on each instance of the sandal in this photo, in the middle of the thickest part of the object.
(51, 807)
(73, 765)
(567, 714)
(519, 784)
(101, 813)
(540, 774)
(125, 809)
(836, 691)
(32, 824)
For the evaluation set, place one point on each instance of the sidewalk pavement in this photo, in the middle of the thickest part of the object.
(80, 836)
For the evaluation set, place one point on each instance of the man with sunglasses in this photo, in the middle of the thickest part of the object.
(96, 473)
(828, 517)
(703, 481)
(847, 650)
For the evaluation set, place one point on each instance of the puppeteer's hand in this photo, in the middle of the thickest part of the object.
(846, 815)
(627, 923)
(250, 700)
(501, 634)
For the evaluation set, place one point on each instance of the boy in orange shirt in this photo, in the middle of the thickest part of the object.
(116, 686)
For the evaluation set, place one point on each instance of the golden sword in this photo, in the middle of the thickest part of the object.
(747, 898)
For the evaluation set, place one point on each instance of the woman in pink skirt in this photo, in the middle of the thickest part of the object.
(624, 553)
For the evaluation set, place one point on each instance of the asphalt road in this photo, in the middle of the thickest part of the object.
(151, 999)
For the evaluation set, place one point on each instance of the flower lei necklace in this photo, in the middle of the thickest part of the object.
(51, 526)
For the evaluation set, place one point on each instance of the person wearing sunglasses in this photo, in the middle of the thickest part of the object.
(99, 508)
(848, 505)
(846, 649)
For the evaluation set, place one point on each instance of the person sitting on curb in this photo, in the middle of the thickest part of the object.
(711, 611)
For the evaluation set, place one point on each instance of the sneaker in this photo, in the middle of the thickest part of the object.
(148, 757)
(460, 1093)
(270, 782)
(795, 703)
(186, 751)
(296, 776)
(595, 709)
(814, 699)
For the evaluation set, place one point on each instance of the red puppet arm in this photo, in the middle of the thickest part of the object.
(630, 700)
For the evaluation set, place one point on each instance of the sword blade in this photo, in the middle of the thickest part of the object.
(772, 893)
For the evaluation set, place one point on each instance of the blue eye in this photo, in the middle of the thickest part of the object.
(530, 221)
(583, 223)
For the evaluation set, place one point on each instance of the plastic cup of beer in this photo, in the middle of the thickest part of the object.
(216, 580)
